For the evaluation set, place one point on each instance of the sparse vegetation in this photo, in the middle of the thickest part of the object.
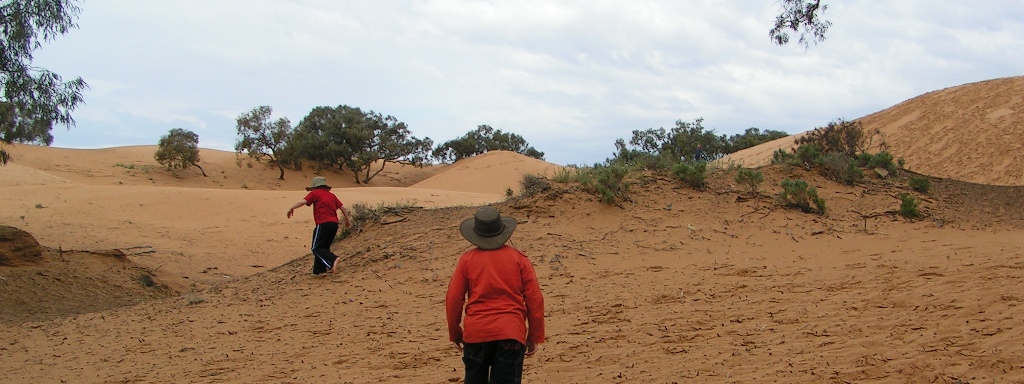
(909, 206)
(532, 184)
(798, 194)
(751, 179)
(841, 168)
(693, 174)
(147, 280)
(192, 298)
(607, 181)
(565, 175)
(921, 184)
(841, 136)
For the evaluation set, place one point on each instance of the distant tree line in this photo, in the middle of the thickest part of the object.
(686, 142)
(362, 143)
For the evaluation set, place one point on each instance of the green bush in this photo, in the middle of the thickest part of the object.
(608, 181)
(921, 184)
(809, 155)
(750, 178)
(797, 193)
(841, 136)
(693, 174)
(883, 160)
(565, 175)
(784, 157)
(841, 168)
(909, 206)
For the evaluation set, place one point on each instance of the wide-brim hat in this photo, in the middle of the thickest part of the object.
(487, 229)
(318, 181)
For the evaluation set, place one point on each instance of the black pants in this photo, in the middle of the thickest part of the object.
(323, 237)
(494, 362)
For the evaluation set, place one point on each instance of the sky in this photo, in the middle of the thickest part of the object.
(570, 77)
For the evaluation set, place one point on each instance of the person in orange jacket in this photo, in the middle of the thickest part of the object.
(496, 285)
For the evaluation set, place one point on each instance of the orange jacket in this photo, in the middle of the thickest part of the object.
(503, 294)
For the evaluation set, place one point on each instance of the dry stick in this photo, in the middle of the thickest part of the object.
(385, 281)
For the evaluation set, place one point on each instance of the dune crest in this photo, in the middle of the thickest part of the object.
(493, 172)
(972, 132)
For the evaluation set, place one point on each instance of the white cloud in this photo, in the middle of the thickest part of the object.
(569, 76)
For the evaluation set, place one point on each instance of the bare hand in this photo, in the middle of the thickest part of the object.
(290, 213)
(458, 345)
(531, 348)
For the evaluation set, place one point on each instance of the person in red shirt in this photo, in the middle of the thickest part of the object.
(325, 213)
(497, 287)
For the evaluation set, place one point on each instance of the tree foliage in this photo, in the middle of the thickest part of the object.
(661, 148)
(179, 149)
(33, 98)
(261, 138)
(484, 139)
(803, 17)
(350, 139)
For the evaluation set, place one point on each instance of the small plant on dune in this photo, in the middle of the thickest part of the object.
(751, 179)
(920, 184)
(808, 155)
(533, 184)
(883, 160)
(692, 174)
(565, 175)
(147, 280)
(797, 193)
(607, 181)
(784, 157)
(909, 206)
(841, 168)
(509, 192)
(192, 298)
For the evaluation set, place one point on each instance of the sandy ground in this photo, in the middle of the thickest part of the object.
(677, 286)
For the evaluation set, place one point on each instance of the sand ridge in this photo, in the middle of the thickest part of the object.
(972, 132)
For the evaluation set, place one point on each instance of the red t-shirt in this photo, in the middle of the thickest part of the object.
(325, 205)
(503, 294)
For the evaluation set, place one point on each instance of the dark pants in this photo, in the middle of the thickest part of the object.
(494, 362)
(323, 237)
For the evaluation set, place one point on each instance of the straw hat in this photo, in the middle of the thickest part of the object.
(487, 229)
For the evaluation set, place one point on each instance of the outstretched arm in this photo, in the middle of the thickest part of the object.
(344, 212)
(291, 211)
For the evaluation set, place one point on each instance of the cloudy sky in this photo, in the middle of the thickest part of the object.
(568, 76)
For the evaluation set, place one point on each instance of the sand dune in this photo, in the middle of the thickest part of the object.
(973, 132)
(492, 172)
(677, 285)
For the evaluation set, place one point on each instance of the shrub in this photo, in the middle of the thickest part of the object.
(532, 185)
(921, 183)
(565, 175)
(607, 181)
(796, 193)
(693, 174)
(751, 179)
(846, 137)
(908, 206)
(784, 157)
(883, 160)
(841, 168)
(809, 155)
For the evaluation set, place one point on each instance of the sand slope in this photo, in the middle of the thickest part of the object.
(677, 285)
(492, 172)
(973, 132)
